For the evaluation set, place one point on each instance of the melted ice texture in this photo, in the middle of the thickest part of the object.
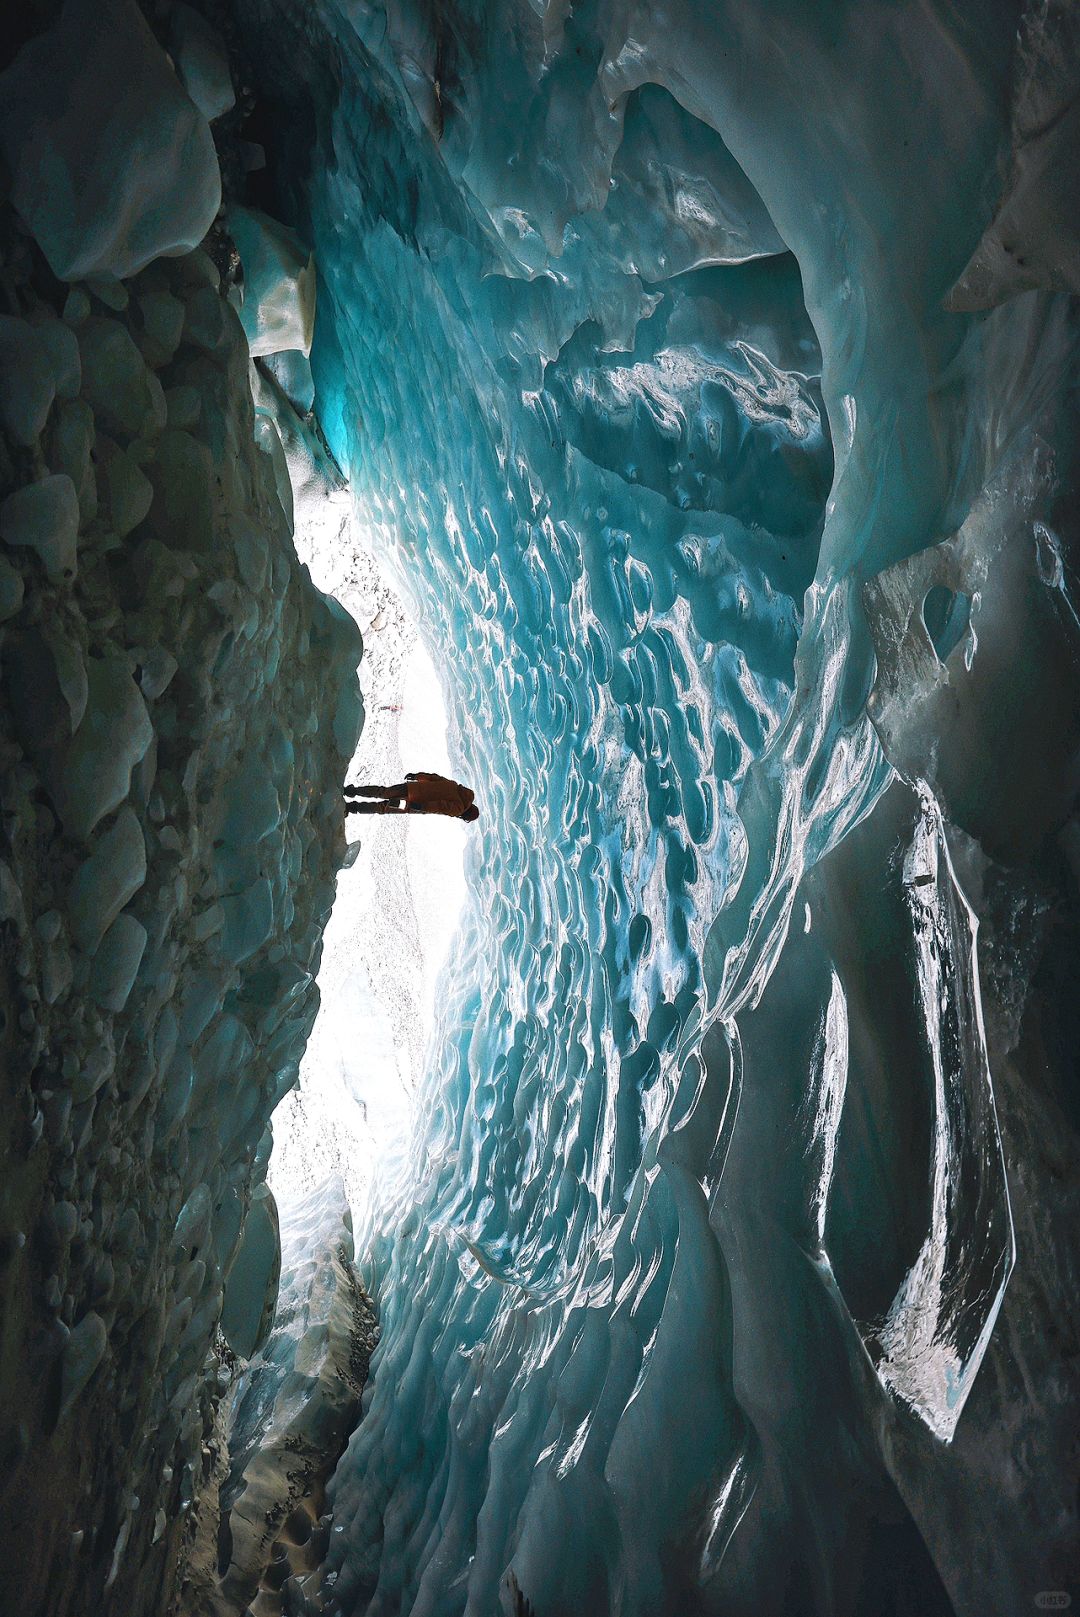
(637, 371)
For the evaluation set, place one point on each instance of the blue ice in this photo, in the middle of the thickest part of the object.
(640, 368)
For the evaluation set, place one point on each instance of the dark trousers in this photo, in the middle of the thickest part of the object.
(391, 799)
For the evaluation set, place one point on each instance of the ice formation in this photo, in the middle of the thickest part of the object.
(705, 376)
(179, 702)
(111, 163)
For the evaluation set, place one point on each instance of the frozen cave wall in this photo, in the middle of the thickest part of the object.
(706, 375)
(177, 707)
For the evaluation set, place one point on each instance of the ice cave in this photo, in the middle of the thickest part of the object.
(660, 1197)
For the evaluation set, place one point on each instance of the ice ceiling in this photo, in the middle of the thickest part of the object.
(683, 376)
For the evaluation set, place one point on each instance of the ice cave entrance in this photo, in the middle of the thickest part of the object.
(397, 909)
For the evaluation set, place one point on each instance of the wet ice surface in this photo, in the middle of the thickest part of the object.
(655, 482)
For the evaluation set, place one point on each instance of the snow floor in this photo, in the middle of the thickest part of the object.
(397, 907)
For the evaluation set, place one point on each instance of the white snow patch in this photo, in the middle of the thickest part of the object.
(397, 907)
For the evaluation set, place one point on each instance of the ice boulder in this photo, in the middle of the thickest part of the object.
(103, 884)
(27, 379)
(291, 369)
(121, 389)
(297, 1401)
(129, 493)
(269, 441)
(41, 708)
(112, 165)
(202, 62)
(251, 1289)
(1034, 238)
(45, 517)
(58, 342)
(117, 961)
(11, 590)
(110, 741)
(83, 1352)
(278, 311)
(70, 668)
(249, 917)
(70, 450)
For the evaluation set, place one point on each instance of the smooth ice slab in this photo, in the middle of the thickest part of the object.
(111, 163)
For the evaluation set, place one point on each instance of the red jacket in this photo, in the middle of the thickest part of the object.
(426, 793)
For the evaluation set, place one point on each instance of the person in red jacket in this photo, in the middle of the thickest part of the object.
(419, 793)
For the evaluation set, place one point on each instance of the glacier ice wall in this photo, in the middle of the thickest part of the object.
(643, 339)
(177, 707)
(707, 376)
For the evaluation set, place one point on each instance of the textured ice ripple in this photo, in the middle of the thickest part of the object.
(554, 1275)
(585, 415)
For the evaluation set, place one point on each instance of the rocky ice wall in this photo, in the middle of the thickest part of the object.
(177, 707)
(736, 496)
(292, 1409)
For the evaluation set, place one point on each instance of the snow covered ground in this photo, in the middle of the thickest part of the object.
(397, 906)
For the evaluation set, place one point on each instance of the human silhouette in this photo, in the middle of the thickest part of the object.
(419, 793)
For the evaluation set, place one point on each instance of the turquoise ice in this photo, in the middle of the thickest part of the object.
(645, 341)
